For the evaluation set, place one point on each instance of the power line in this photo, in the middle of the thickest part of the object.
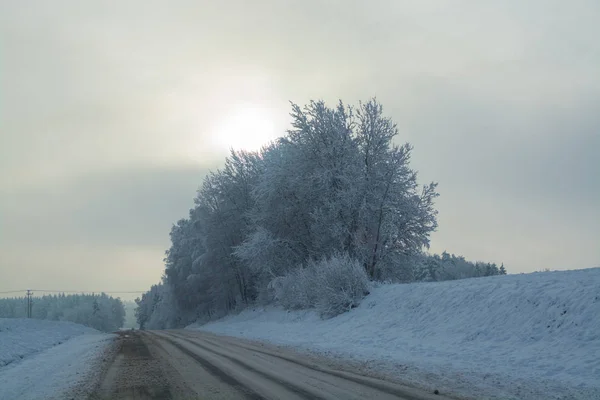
(76, 291)
(14, 291)
(90, 291)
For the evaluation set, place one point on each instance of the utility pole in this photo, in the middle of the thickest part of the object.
(29, 303)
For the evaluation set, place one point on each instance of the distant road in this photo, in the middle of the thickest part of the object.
(182, 364)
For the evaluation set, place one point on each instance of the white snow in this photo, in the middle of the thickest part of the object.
(20, 338)
(46, 359)
(517, 336)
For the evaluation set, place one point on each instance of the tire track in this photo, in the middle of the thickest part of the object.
(181, 364)
(406, 393)
(296, 389)
(214, 370)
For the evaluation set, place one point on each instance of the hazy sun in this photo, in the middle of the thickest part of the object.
(246, 128)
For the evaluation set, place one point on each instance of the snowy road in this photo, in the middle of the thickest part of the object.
(189, 364)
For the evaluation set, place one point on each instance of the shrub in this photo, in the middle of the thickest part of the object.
(342, 284)
(332, 286)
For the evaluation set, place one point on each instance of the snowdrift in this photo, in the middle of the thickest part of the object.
(20, 338)
(517, 336)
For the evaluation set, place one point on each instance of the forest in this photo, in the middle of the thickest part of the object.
(101, 312)
(309, 221)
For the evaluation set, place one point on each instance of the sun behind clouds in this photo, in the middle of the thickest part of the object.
(247, 127)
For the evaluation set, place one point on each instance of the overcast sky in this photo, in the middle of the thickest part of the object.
(112, 112)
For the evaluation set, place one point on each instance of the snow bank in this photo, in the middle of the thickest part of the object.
(47, 359)
(515, 336)
(20, 338)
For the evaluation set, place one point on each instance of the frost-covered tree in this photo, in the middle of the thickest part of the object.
(450, 267)
(101, 312)
(502, 269)
(158, 309)
(221, 213)
(181, 263)
(335, 185)
(202, 272)
(397, 216)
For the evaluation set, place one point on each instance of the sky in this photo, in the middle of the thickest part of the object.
(111, 114)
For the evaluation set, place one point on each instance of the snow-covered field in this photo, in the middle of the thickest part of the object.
(46, 359)
(517, 336)
(20, 338)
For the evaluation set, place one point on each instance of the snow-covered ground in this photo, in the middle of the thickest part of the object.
(20, 338)
(517, 336)
(47, 359)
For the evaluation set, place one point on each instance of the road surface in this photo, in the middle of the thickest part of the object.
(181, 364)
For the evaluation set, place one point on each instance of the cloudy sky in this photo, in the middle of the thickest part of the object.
(112, 112)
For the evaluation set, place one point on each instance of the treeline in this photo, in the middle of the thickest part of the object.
(101, 312)
(447, 267)
(294, 220)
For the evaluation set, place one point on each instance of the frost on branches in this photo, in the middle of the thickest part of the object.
(333, 199)
(101, 312)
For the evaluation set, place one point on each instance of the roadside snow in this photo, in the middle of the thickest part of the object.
(46, 359)
(20, 338)
(516, 336)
